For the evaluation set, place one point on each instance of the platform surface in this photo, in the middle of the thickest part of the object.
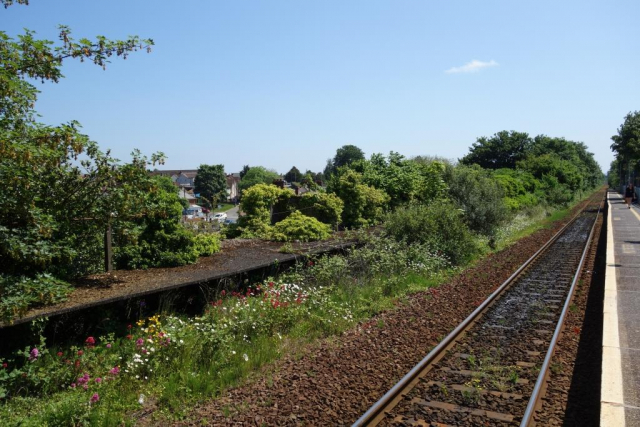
(620, 396)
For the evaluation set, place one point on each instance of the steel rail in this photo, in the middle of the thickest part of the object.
(374, 413)
(537, 393)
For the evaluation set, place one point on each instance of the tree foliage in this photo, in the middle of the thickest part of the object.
(403, 180)
(363, 205)
(479, 195)
(211, 183)
(294, 175)
(256, 205)
(345, 155)
(502, 150)
(59, 191)
(325, 207)
(257, 175)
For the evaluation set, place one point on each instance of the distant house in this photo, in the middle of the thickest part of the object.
(181, 178)
(185, 179)
(233, 180)
(187, 195)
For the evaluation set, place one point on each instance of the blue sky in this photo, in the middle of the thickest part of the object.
(282, 83)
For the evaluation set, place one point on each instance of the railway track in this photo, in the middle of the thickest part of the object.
(491, 369)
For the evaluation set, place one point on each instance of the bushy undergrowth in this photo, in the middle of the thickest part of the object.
(19, 293)
(440, 226)
(299, 227)
(206, 244)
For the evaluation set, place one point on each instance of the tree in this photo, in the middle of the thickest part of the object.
(211, 183)
(244, 171)
(626, 144)
(479, 195)
(256, 204)
(58, 190)
(257, 175)
(294, 175)
(363, 205)
(345, 155)
(502, 150)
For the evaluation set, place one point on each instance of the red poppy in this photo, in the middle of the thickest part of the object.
(90, 341)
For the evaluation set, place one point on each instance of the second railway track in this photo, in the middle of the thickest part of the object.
(490, 370)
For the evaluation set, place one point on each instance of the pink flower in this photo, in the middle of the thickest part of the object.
(73, 385)
(98, 380)
(115, 370)
(4, 366)
(86, 387)
(34, 354)
(139, 342)
(95, 397)
(108, 345)
(59, 354)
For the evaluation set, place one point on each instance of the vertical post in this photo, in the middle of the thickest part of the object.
(108, 265)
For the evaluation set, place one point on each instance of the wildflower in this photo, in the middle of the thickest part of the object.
(98, 380)
(223, 293)
(34, 354)
(245, 357)
(114, 371)
(59, 354)
(139, 342)
(109, 345)
(86, 387)
(141, 399)
(90, 341)
(80, 352)
(95, 397)
(73, 385)
(129, 327)
(4, 365)
(129, 336)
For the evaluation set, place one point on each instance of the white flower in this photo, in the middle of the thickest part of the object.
(137, 376)
(245, 357)
(233, 352)
(141, 399)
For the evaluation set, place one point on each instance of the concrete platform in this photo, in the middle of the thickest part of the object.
(620, 395)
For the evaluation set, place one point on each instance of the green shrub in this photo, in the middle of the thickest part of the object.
(325, 207)
(300, 227)
(20, 293)
(256, 205)
(440, 225)
(363, 205)
(479, 195)
(206, 244)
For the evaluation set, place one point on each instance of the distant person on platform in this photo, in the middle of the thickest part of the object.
(628, 194)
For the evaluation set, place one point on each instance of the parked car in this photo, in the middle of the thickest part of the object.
(229, 221)
(220, 217)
